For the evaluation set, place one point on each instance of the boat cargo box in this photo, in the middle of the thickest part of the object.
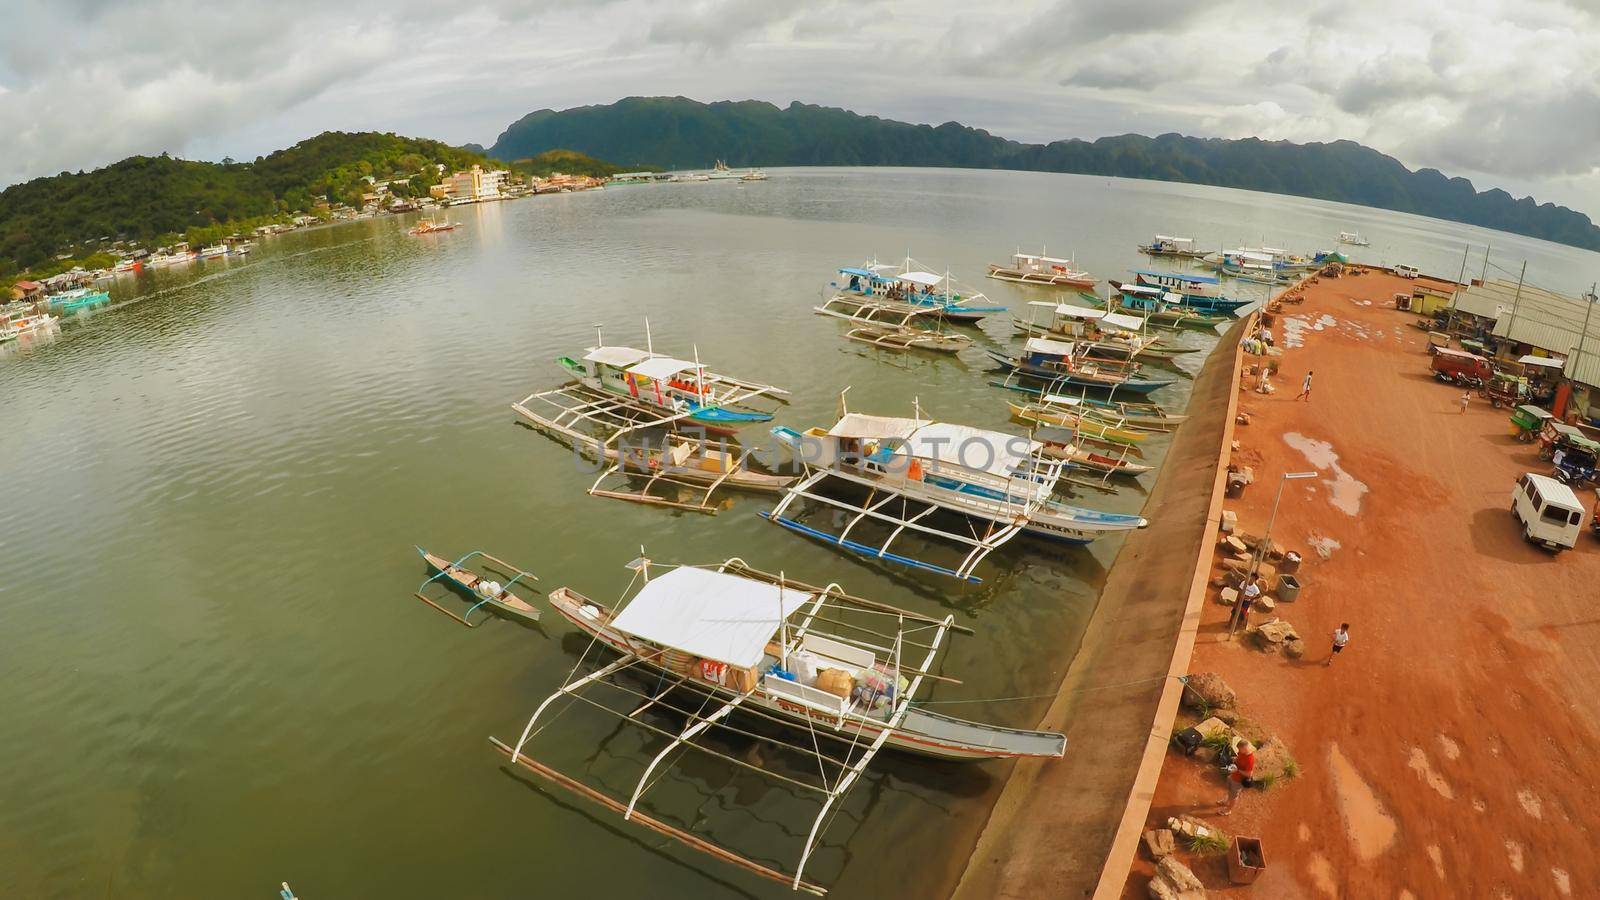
(1459, 363)
(836, 681)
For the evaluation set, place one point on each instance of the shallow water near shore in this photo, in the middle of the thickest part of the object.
(214, 673)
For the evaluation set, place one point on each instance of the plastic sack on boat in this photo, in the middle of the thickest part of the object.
(804, 665)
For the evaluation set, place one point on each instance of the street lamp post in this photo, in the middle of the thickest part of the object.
(1266, 539)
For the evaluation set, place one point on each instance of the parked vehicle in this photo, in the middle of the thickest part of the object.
(1575, 462)
(1460, 367)
(1504, 389)
(1527, 421)
(1548, 510)
(1407, 271)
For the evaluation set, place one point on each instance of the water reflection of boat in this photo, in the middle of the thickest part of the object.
(838, 674)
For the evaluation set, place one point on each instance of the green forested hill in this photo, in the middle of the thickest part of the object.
(567, 162)
(143, 198)
(678, 132)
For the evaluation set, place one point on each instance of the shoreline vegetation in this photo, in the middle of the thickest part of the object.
(677, 132)
(87, 220)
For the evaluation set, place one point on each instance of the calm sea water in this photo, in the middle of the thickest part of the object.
(213, 675)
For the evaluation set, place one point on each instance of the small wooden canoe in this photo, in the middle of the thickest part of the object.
(484, 590)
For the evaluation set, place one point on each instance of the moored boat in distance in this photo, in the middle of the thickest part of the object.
(1062, 362)
(16, 327)
(76, 300)
(1045, 271)
(1100, 334)
(175, 258)
(1159, 307)
(1201, 292)
(1180, 247)
(215, 251)
(1353, 239)
(911, 284)
(430, 226)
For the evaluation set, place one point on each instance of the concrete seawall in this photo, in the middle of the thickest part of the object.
(1069, 828)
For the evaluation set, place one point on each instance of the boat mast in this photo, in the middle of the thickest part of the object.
(649, 344)
(783, 627)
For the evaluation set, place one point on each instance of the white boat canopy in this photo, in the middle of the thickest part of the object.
(927, 279)
(722, 617)
(661, 367)
(1162, 238)
(1058, 400)
(1029, 257)
(994, 452)
(621, 357)
(1142, 289)
(1544, 362)
(1045, 345)
(1078, 312)
(1126, 323)
(859, 425)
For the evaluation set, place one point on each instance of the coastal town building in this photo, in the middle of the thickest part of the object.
(473, 186)
(1520, 320)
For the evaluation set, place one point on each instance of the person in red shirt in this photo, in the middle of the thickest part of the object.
(1240, 774)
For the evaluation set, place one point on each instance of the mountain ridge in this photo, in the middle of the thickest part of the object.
(682, 133)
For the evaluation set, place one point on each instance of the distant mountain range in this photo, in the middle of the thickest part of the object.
(677, 132)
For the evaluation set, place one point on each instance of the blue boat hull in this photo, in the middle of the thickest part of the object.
(1131, 386)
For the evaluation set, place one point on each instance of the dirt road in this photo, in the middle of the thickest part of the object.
(1453, 750)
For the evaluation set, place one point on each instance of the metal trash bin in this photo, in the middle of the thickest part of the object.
(1288, 588)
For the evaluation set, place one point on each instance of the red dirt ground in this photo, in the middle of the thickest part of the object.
(1453, 749)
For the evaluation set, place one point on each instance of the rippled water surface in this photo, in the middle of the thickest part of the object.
(213, 675)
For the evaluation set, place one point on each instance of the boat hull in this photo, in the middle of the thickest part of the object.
(1127, 386)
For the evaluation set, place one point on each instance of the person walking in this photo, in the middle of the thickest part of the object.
(1305, 387)
(1248, 595)
(1466, 397)
(1241, 774)
(1341, 636)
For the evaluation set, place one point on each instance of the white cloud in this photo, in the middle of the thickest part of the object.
(1503, 91)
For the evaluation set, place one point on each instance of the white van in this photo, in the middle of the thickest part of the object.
(1407, 271)
(1548, 510)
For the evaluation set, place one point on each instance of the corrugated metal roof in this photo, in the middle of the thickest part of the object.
(1585, 369)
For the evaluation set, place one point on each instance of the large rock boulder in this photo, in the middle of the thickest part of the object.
(1273, 760)
(1175, 881)
(1207, 691)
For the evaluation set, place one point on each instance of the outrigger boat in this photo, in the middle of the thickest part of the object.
(1144, 414)
(1201, 292)
(672, 386)
(1060, 361)
(1100, 334)
(839, 673)
(16, 327)
(1159, 307)
(908, 284)
(678, 466)
(887, 325)
(68, 302)
(1353, 239)
(1041, 270)
(1181, 247)
(429, 226)
(1070, 412)
(909, 469)
(1067, 446)
(486, 591)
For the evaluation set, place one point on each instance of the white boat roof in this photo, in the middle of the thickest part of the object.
(1059, 400)
(1044, 259)
(621, 357)
(1118, 320)
(859, 425)
(1045, 345)
(924, 278)
(1174, 240)
(994, 452)
(661, 367)
(1142, 289)
(1078, 312)
(710, 614)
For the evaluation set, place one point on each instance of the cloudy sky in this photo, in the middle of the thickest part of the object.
(1506, 92)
